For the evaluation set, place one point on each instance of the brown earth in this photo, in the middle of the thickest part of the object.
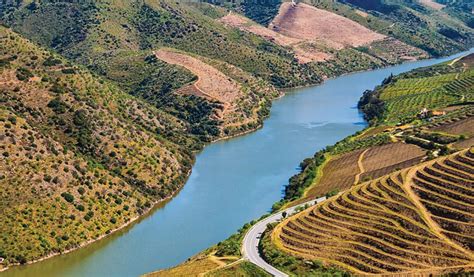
(303, 52)
(306, 22)
(384, 159)
(432, 4)
(463, 126)
(238, 96)
(411, 223)
(212, 83)
(338, 173)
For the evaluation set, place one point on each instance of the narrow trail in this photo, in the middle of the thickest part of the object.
(361, 166)
(455, 61)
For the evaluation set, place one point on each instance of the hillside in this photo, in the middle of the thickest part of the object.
(413, 221)
(80, 157)
(116, 40)
(440, 30)
(400, 99)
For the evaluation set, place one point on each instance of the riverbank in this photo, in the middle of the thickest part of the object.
(129, 223)
(257, 165)
(346, 143)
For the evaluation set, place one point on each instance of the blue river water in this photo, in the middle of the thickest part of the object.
(232, 182)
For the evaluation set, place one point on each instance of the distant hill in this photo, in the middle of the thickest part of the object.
(116, 40)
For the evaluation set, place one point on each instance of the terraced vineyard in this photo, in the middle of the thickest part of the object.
(401, 98)
(419, 220)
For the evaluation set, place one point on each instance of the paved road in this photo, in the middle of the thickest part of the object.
(252, 239)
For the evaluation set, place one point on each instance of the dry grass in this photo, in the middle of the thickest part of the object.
(193, 268)
(309, 23)
(418, 221)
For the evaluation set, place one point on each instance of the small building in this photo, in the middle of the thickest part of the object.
(425, 113)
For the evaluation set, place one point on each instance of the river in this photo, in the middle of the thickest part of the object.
(232, 182)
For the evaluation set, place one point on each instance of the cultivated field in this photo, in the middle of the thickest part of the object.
(459, 127)
(306, 22)
(384, 159)
(338, 173)
(435, 87)
(415, 221)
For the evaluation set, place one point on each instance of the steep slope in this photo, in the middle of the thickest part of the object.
(401, 98)
(415, 221)
(241, 100)
(437, 32)
(303, 52)
(80, 158)
(117, 40)
(307, 22)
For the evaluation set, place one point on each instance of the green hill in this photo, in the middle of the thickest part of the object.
(80, 157)
(115, 39)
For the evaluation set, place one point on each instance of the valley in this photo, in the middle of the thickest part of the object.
(109, 109)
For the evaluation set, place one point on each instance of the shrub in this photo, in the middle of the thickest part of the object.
(23, 74)
(50, 61)
(81, 190)
(21, 259)
(68, 197)
(68, 71)
(57, 105)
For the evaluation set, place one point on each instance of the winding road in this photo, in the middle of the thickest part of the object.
(252, 238)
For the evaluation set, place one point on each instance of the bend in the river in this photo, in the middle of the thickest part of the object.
(233, 182)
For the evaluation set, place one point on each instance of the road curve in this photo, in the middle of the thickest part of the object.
(252, 238)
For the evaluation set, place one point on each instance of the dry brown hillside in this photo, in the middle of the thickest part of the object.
(306, 22)
(303, 52)
(240, 96)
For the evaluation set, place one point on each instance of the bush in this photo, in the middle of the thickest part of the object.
(68, 197)
(68, 71)
(50, 61)
(21, 259)
(23, 74)
(81, 191)
(57, 105)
